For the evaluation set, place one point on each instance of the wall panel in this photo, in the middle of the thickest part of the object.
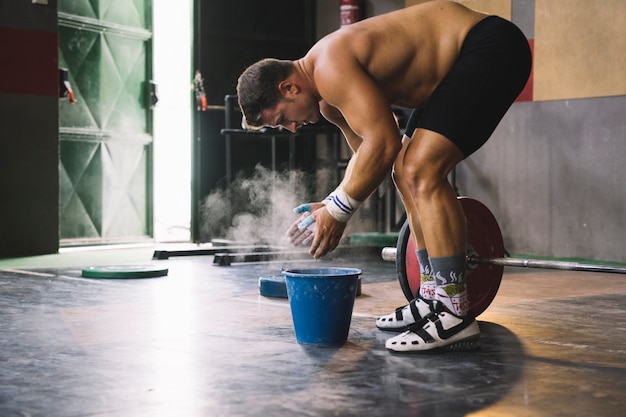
(580, 49)
(553, 175)
(29, 135)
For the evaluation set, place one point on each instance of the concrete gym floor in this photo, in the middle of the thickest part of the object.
(203, 342)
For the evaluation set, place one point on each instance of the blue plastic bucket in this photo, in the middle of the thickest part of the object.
(321, 301)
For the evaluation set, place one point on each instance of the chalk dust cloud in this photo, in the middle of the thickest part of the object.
(255, 210)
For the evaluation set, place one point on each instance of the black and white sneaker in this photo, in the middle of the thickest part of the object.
(438, 331)
(403, 317)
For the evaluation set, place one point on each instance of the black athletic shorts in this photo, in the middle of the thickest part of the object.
(491, 71)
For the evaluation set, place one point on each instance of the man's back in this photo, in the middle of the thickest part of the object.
(406, 52)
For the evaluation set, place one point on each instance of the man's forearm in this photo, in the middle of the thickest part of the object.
(367, 169)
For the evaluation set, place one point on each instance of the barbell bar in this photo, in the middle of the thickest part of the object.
(389, 254)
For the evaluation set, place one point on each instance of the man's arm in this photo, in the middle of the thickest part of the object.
(333, 115)
(365, 118)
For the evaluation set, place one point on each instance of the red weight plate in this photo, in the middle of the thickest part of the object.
(484, 238)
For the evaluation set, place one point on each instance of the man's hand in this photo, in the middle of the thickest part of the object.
(316, 226)
(301, 231)
(328, 233)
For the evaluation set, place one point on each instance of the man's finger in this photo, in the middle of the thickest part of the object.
(302, 208)
(299, 236)
(326, 247)
(307, 240)
(306, 222)
(302, 238)
(293, 229)
(317, 239)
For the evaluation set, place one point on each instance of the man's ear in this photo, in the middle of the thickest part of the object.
(288, 88)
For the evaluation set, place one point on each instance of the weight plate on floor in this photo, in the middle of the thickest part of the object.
(273, 286)
(124, 271)
(484, 238)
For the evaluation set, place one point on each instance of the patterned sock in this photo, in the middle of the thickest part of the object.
(427, 281)
(449, 273)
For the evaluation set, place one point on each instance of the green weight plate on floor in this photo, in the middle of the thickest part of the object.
(124, 271)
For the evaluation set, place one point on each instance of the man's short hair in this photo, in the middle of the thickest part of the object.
(257, 88)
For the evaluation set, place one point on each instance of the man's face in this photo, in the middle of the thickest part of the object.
(292, 113)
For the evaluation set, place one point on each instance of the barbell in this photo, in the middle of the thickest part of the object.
(485, 258)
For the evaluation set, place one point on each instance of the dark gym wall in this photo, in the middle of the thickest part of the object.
(29, 120)
(229, 36)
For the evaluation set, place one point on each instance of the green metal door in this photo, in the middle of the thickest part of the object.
(106, 135)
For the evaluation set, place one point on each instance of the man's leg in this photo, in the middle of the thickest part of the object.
(427, 280)
(427, 161)
(422, 304)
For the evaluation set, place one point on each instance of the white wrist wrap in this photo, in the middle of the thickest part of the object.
(340, 205)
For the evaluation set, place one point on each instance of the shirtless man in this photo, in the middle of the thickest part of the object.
(460, 70)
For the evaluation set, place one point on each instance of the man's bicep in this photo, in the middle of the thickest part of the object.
(333, 115)
(364, 107)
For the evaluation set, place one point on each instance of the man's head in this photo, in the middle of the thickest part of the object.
(257, 88)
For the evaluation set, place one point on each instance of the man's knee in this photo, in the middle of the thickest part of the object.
(415, 176)
(423, 165)
(396, 174)
(423, 179)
